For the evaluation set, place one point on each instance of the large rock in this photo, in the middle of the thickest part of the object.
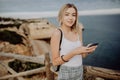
(40, 47)
(14, 48)
(37, 30)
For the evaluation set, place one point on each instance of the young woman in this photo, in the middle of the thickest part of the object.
(70, 54)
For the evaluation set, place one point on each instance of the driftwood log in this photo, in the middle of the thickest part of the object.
(24, 58)
(26, 73)
(3, 70)
(11, 70)
(49, 74)
(103, 73)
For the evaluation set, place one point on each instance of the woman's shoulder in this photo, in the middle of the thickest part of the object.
(56, 32)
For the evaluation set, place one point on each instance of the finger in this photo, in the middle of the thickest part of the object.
(88, 48)
(93, 47)
(89, 44)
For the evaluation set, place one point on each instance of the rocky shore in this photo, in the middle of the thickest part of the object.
(31, 38)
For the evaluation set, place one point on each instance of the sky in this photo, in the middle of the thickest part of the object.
(54, 5)
(47, 8)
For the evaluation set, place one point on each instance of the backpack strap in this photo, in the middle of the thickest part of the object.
(60, 38)
(58, 67)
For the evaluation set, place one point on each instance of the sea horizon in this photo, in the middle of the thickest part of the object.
(48, 14)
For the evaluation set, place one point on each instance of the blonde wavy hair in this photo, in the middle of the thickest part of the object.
(61, 12)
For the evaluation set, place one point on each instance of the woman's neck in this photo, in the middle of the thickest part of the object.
(66, 29)
(69, 34)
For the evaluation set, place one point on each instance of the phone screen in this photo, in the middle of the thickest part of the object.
(93, 44)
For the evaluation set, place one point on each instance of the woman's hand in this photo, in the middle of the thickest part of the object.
(92, 49)
(83, 50)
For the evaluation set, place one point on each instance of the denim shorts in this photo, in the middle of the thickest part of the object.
(70, 73)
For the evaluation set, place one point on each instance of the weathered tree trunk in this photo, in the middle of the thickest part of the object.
(3, 70)
(50, 75)
(26, 73)
(11, 70)
(103, 73)
(24, 58)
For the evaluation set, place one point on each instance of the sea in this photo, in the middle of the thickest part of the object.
(103, 28)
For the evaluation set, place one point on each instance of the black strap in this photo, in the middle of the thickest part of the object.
(60, 39)
(58, 67)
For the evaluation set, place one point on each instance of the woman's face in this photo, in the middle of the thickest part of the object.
(69, 17)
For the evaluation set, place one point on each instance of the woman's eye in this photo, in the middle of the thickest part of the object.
(66, 14)
(70, 15)
(73, 14)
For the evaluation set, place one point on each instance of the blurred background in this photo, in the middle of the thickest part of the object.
(101, 20)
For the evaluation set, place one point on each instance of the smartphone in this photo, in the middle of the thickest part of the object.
(93, 44)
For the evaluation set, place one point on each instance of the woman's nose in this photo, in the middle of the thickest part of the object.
(70, 17)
